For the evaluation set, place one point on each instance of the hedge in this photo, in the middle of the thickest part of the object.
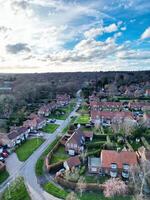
(55, 191)
(40, 161)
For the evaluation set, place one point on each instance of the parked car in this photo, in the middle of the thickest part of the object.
(4, 154)
(52, 120)
(2, 159)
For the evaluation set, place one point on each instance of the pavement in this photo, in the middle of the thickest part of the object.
(27, 168)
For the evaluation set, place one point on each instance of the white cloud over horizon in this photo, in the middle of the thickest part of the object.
(60, 35)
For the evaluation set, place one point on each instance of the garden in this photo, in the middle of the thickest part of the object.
(26, 149)
(83, 119)
(59, 155)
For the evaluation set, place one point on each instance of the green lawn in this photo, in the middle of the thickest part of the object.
(66, 110)
(40, 162)
(3, 176)
(55, 191)
(100, 196)
(59, 155)
(50, 128)
(16, 191)
(25, 150)
(83, 119)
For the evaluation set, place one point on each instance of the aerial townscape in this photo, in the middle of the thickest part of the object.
(88, 140)
(74, 99)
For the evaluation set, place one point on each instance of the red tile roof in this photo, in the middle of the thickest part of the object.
(110, 115)
(73, 161)
(120, 158)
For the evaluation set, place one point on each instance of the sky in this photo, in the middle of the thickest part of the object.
(74, 35)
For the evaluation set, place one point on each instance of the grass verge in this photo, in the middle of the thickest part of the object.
(16, 191)
(3, 176)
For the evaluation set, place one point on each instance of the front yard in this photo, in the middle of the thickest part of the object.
(83, 119)
(25, 150)
(50, 128)
(59, 155)
(62, 113)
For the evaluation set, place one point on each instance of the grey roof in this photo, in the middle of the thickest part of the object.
(96, 162)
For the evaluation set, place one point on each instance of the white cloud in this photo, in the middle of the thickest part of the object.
(100, 31)
(146, 34)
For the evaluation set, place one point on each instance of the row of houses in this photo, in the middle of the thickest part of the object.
(47, 109)
(97, 105)
(34, 121)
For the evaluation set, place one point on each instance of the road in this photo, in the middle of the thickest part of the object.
(27, 169)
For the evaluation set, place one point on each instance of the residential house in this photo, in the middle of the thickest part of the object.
(75, 144)
(62, 100)
(18, 135)
(72, 162)
(44, 111)
(116, 163)
(88, 135)
(39, 121)
(106, 117)
(94, 165)
(31, 124)
(105, 105)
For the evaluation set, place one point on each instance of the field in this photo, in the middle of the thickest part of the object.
(25, 150)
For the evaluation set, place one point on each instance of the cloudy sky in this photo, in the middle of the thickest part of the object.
(74, 35)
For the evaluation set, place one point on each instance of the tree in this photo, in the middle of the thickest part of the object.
(140, 180)
(114, 186)
(81, 185)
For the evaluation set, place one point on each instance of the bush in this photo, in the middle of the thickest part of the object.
(82, 170)
(16, 191)
(55, 191)
(100, 137)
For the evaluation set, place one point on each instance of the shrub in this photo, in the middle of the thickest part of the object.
(114, 187)
(55, 191)
(82, 170)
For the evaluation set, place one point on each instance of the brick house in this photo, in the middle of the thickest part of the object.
(44, 111)
(75, 144)
(146, 119)
(62, 100)
(18, 135)
(116, 163)
(72, 162)
(107, 117)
